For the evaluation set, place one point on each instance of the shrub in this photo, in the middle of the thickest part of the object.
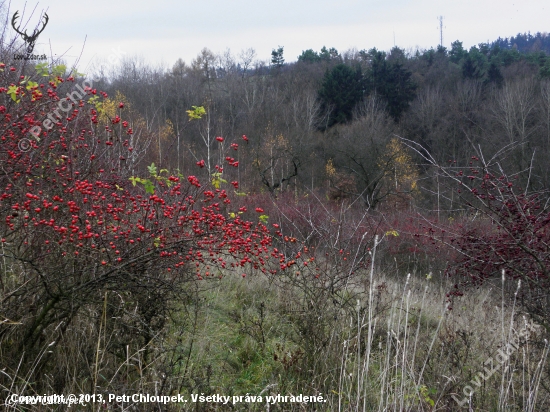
(89, 250)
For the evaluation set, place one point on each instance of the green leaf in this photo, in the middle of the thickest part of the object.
(75, 73)
(59, 70)
(264, 219)
(31, 85)
(196, 113)
(42, 69)
(217, 180)
(95, 101)
(152, 169)
(149, 187)
(12, 90)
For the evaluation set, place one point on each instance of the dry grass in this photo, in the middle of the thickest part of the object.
(383, 341)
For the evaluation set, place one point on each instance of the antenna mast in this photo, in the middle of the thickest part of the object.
(440, 18)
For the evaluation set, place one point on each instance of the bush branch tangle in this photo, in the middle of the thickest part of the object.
(78, 233)
(511, 234)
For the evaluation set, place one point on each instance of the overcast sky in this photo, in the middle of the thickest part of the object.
(161, 31)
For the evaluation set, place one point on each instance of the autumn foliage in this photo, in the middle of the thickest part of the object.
(510, 238)
(106, 255)
(77, 229)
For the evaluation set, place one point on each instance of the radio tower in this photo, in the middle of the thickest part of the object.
(440, 18)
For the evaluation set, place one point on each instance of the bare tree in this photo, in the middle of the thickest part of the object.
(514, 110)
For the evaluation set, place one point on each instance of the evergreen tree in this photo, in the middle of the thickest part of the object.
(341, 90)
(329, 54)
(309, 56)
(400, 91)
(277, 58)
(474, 65)
(457, 52)
(429, 56)
(544, 70)
(392, 82)
(494, 75)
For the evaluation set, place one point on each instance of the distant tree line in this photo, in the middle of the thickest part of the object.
(344, 108)
(525, 43)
